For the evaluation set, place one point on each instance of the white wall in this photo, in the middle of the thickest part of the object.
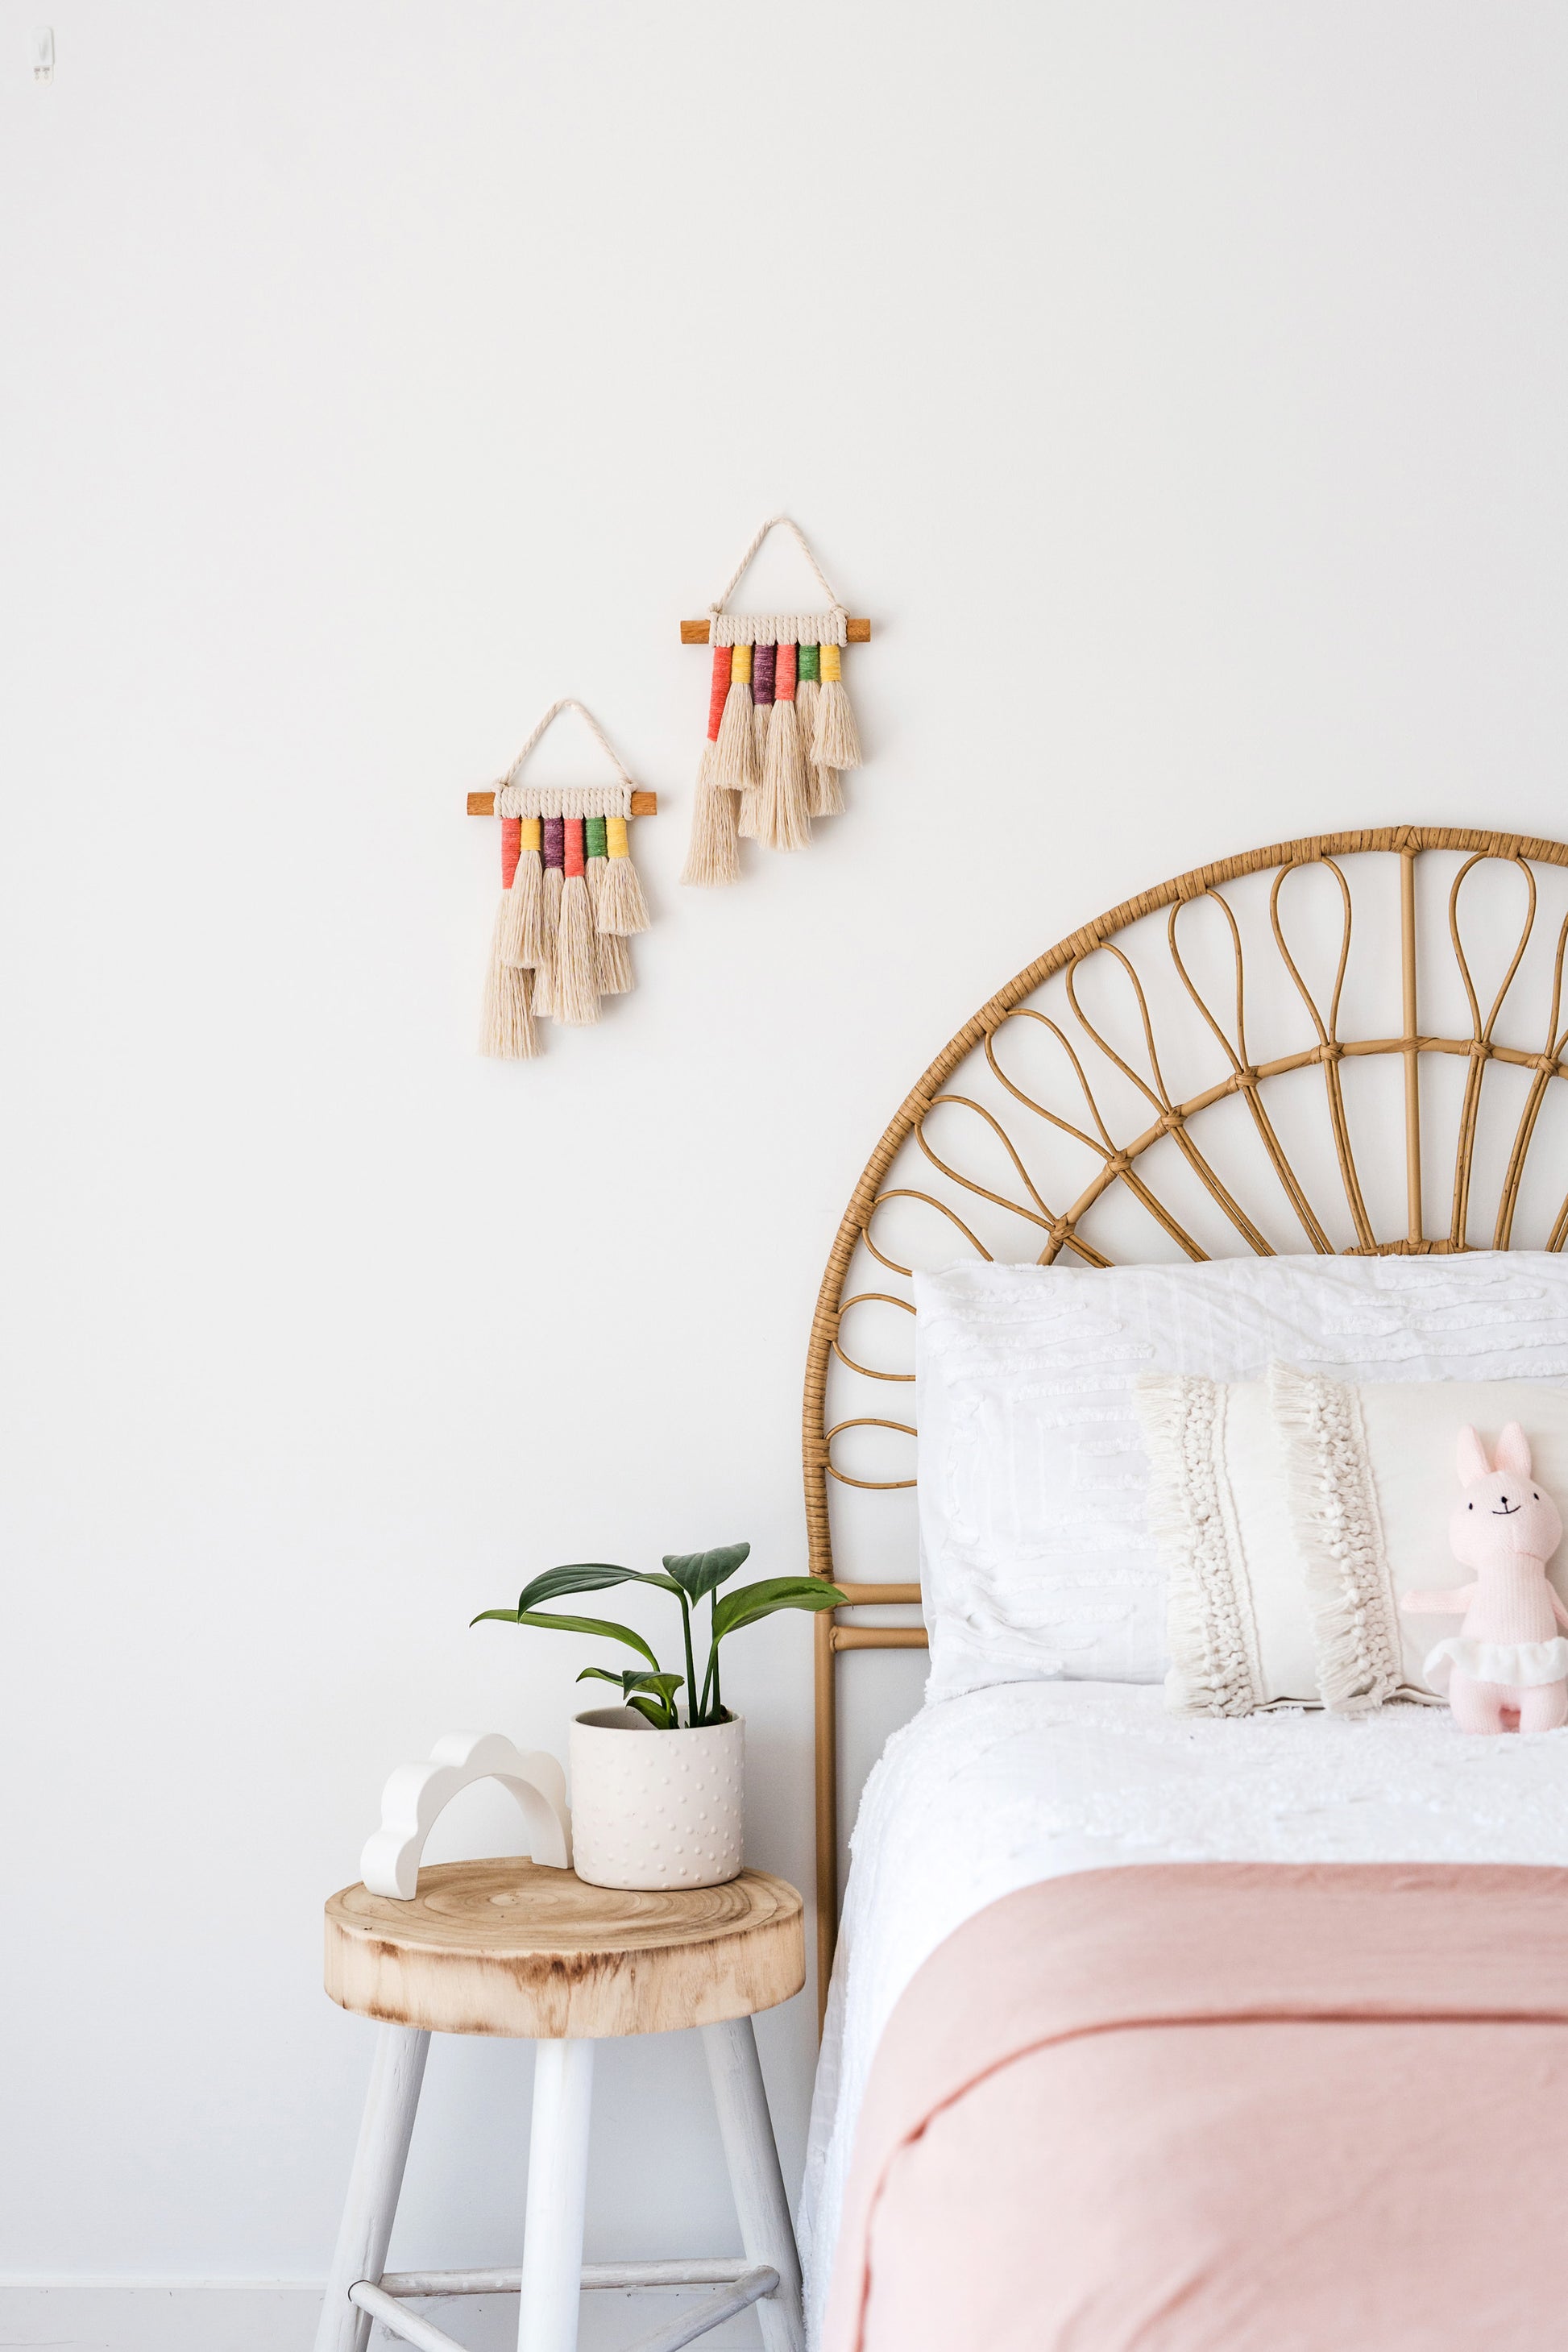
(1181, 390)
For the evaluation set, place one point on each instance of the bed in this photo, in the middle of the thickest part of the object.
(1411, 983)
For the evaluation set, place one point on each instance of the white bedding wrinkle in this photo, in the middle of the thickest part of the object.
(984, 1794)
(1038, 1561)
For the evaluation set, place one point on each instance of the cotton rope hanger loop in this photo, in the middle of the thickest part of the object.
(510, 790)
(776, 522)
(570, 900)
(780, 727)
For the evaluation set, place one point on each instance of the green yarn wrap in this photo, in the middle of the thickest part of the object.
(594, 841)
(807, 663)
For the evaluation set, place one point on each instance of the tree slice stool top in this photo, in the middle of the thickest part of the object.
(514, 1947)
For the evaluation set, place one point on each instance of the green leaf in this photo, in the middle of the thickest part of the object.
(697, 1572)
(661, 1719)
(754, 1600)
(631, 1678)
(604, 1625)
(580, 1576)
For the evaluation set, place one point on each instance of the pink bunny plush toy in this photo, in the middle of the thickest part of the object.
(1508, 1666)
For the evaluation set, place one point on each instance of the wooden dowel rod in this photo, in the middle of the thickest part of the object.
(484, 803)
(879, 1596)
(695, 633)
(879, 1637)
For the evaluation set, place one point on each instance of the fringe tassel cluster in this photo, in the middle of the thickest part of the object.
(570, 901)
(779, 732)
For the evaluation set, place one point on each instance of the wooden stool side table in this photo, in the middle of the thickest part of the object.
(517, 1948)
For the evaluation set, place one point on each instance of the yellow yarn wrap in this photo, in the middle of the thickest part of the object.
(527, 832)
(831, 666)
(741, 666)
(615, 836)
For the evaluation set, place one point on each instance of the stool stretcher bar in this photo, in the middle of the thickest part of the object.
(723, 2271)
(747, 2287)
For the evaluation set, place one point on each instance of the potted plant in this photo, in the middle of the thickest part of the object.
(649, 1812)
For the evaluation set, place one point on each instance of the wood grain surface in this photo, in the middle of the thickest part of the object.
(513, 1948)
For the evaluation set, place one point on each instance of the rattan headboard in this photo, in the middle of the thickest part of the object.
(1115, 1135)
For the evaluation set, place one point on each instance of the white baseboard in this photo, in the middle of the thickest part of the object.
(227, 2316)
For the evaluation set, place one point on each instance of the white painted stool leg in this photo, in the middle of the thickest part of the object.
(557, 2192)
(373, 2185)
(754, 2177)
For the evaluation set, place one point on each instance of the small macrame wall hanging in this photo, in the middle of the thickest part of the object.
(780, 727)
(569, 898)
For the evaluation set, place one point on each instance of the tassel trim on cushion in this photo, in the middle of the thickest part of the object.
(1338, 1527)
(1213, 1669)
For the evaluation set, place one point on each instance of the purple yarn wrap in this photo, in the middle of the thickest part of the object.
(765, 662)
(555, 841)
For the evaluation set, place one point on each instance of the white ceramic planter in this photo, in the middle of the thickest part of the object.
(655, 1809)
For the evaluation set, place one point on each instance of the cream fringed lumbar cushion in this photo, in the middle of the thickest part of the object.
(1238, 1630)
(1293, 1514)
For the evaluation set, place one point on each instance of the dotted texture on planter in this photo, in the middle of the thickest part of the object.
(657, 1809)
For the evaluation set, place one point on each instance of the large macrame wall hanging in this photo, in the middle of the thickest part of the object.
(569, 898)
(780, 727)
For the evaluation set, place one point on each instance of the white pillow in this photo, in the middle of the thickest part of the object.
(1038, 1558)
(1370, 1477)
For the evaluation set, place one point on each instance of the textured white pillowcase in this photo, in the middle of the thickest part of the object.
(1037, 1557)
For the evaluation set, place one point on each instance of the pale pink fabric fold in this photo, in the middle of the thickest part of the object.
(1223, 2107)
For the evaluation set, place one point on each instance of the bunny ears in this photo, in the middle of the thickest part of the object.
(1512, 1454)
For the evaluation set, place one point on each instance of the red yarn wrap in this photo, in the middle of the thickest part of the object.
(573, 846)
(784, 675)
(718, 693)
(511, 848)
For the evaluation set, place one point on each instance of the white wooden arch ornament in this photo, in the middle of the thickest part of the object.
(417, 1794)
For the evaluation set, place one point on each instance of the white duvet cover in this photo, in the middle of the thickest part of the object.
(983, 1794)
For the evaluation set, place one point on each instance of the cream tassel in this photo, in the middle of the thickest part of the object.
(522, 940)
(613, 960)
(826, 800)
(549, 933)
(836, 742)
(622, 908)
(782, 816)
(575, 980)
(714, 855)
(612, 957)
(507, 1032)
(746, 816)
(735, 752)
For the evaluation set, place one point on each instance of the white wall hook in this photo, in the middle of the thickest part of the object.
(417, 1794)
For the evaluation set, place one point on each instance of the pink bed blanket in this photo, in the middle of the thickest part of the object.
(1223, 2107)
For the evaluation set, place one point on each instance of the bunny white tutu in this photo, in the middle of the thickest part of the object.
(1519, 1664)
